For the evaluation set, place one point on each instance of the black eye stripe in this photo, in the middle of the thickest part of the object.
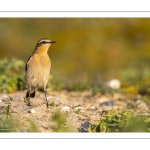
(43, 42)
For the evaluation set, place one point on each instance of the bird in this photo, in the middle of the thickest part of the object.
(37, 69)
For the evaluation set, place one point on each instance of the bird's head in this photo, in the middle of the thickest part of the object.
(43, 45)
(45, 42)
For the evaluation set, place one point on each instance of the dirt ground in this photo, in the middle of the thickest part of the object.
(91, 108)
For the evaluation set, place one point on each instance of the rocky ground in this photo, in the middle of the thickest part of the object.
(91, 108)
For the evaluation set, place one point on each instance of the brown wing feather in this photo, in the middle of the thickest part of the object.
(26, 67)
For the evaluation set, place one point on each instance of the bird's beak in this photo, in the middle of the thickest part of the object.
(52, 42)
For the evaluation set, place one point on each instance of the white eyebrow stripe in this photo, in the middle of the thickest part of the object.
(46, 41)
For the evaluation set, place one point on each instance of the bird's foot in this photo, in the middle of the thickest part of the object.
(28, 104)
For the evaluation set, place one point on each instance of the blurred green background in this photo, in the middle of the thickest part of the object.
(86, 48)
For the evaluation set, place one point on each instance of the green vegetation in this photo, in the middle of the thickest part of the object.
(78, 111)
(7, 123)
(126, 121)
(136, 81)
(111, 121)
(8, 112)
(11, 75)
(12, 79)
(52, 104)
(133, 81)
(10, 98)
(33, 127)
(60, 123)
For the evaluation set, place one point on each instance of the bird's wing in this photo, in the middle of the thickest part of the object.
(26, 67)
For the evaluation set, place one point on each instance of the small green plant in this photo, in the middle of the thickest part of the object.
(7, 112)
(60, 123)
(33, 127)
(126, 121)
(52, 104)
(78, 111)
(25, 100)
(10, 98)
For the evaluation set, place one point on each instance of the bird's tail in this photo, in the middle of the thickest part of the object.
(32, 95)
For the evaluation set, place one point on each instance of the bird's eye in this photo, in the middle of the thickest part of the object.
(44, 42)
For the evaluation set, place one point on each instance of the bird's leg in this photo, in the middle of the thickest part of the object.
(46, 98)
(29, 98)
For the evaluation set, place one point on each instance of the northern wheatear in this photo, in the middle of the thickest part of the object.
(38, 69)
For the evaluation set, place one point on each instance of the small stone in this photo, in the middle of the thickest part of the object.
(78, 107)
(53, 98)
(65, 108)
(107, 103)
(93, 108)
(0, 100)
(94, 113)
(139, 102)
(142, 104)
(114, 84)
(32, 111)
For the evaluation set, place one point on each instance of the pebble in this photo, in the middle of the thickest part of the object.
(141, 104)
(0, 100)
(107, 103)
(94, 113)
(93, 108)
(65, 108)
(114, 84)
(32, 111)
(53, 98)
(78, 107)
